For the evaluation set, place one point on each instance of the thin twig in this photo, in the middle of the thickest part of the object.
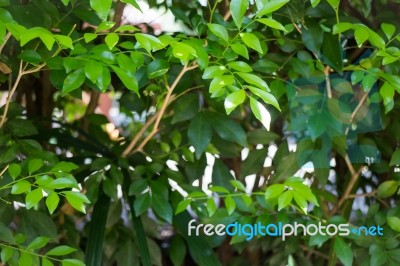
(352, 182)
(369, 194)
(8, 35)
(328, 82)
(10, 94)
(170, 90)
(4, 170)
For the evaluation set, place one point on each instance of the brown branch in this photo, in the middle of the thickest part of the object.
(156, 119)
(328, 82)
(369, 194)
(8, 35)
(10, 95)
(352, 182)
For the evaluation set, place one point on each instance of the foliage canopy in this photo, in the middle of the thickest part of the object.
(258, 111)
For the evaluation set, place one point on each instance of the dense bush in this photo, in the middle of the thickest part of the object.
(258, 111)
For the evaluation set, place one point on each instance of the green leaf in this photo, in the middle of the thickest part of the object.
(133, 3)
(260, 112)
(183, 51)
(361, 35)
(46, 262)
(76, 199)
(160, 202)
(271, 6)
(6, 254)
(6, 234)
(254, 80)
(130, 82)
(233, 100)
(267, 97)
(61, 183)
(148, 42)
(199, 134)
(388, 29)
(92, 70)
(239, 185)
(25, 259)
(220, 82)
(157, 68)
(387, 189)
(182, 206)
(240, 49)
(52, 202)
(211, 206)
(317, 125)
(186, 107)
(89, 37)
(14, 170)
(240, 66)
(394, 223)
(301, 201)
(102, 7)
(111, 40)
(274, 191)
(238, 9)
(64, 167)
(213, 72)
(73, 81)
(334, 3)
(65, 41)
(341, 27)
(230, 204)
(285, 199)
(72, 262)
(60, 251)
(20, 187)
(33, 198)
(251, 41)
(314, 3)
(343, 251)
(38, 243)
(177, 250)
(387, 94)
(142, 203)
(227, 129)
(272, 23)
(219, 31)
(34, 165)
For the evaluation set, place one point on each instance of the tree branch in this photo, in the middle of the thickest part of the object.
(156, 119)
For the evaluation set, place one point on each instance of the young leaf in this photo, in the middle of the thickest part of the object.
(60, 251)
(240, 49)
(102, 7)
(33, 197)
(233, 100)
(213, 72)
(274, 191)
(219, 31)
(20, 187)
(72, 262)
(211, 207)
(64, 40)
(254, 80)
(34, 165)
(240, 66)
(387, 189)
(52, 202)
(89, 37)
(230, 204)
(251, 41)
(38, 243)
(14, 170)
(394, 223)
(272, 23)
(361, 35)
(238, 9)
(239, 185)
(388, 29)
(271, 6)
(285, 199)
(111, 40)
(76, 199)
(182, 206)
(301, 201)
(267, 97)
(260, 112)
